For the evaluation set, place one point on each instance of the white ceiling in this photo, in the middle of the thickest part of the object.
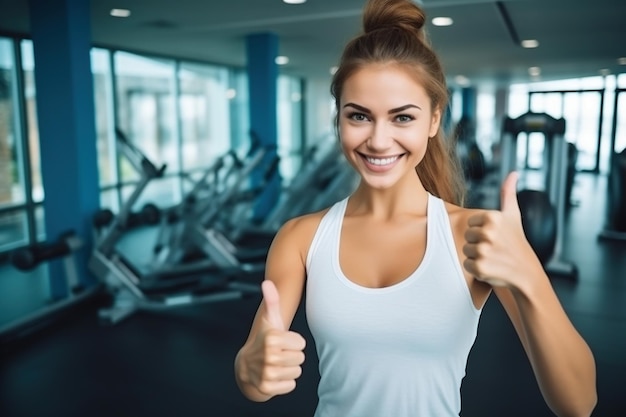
(577, 37)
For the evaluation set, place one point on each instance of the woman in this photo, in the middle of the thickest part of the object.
(396, 274)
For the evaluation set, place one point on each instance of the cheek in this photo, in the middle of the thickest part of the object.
(349, 135)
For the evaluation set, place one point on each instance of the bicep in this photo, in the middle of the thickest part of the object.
(285, 267)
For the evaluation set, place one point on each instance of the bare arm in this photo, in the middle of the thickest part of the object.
(561, 360)
(499, 254)
(269, 361)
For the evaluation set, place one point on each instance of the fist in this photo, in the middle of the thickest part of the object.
(496, 248)
(276, 356)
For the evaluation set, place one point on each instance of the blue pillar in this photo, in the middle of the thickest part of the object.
(261, 52)
(468, 98)
(61, 36)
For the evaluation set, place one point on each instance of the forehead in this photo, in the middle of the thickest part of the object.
(384, 84)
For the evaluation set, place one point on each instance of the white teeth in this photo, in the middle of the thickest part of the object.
(381, 161)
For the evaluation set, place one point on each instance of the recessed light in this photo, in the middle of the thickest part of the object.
(530, 43)
(119, 12)
(534, 71)
(442, 21)
(281, 60)
(294, 1)
(231, 93)
(622, 60)
(462, 80)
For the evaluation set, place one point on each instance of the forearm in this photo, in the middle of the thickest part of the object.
(561, 359)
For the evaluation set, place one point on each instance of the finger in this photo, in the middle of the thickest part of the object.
(272, 305)
(294, 341)
(471, 251)
(473, 235)
(476, 220)
(286, 358)
(471, 267)
(508, 195)
(284, 340)
(277, 387)
(277, 374)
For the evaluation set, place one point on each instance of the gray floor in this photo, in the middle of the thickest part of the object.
(179, 363)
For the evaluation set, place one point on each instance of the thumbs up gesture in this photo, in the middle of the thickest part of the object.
(275, 356)
(495, 245)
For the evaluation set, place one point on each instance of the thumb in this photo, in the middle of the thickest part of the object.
(272, 305)
(508, 194)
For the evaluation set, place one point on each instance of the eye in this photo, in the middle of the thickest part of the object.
(404, 118)
(357, 117)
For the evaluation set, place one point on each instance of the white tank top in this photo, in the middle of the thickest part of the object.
(397, 351)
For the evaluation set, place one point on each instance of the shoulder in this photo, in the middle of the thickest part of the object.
(298, 232)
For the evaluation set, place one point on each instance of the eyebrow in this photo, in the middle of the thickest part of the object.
(392, 111)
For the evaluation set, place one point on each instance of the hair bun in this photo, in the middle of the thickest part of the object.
(403, 14)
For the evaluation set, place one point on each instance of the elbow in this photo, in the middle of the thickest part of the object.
(583, 407)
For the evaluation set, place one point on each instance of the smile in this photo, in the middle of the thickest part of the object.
(382, 161)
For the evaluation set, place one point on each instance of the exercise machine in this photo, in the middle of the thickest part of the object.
(324, 178)
(543, 211)
(197, 233)
(29, 258)
(132, 289)
(615, 227)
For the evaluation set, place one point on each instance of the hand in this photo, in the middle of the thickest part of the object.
(497, 250)
(274, 358)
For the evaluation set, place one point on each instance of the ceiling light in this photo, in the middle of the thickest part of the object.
(231, 93)
(622, 60)
(294, 1)
(462, 80)
(534, 71)
(530, 43)
(119, 12)
(442, 21)
(281, 60)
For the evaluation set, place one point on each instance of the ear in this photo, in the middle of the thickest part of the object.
(435, 121)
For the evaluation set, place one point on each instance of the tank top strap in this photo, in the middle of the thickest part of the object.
(329, 226)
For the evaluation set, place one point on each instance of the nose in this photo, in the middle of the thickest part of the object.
(380, 138)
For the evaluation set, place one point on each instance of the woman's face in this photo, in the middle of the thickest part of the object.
(385, 120)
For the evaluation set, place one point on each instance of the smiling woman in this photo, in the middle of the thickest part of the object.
(397, 273)
(386, 122)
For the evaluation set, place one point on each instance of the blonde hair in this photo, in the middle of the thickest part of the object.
(393, 32)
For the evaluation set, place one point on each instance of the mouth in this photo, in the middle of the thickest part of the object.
(381, 161)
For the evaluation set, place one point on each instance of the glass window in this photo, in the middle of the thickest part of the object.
(621, 80)
(204, 106)
(13, 223)
(105, 117)
(620, 131)
(11, 179)
(30, 97)
(146, 113)
(239, 112)
(582, 119)
(289, 111)
(486, 133)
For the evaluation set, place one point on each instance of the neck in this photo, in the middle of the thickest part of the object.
(405, 198)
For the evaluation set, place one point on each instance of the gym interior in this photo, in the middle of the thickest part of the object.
(149, 151)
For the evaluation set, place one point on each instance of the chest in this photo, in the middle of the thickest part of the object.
(381, 254)
(431, 316)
